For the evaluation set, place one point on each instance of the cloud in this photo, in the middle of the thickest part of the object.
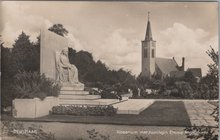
(181, 41)
(117, 52)
(74, 42)
(118, 48)
(15, 20)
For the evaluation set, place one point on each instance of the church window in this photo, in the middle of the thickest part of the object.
(145, 53)
(152, 53)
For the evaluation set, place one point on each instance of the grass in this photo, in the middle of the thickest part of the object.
(160, 113)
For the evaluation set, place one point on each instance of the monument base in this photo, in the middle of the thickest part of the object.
(75, 97)
(75, 94)
(71, 87)
(78, 97)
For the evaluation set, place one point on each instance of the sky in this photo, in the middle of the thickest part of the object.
(113, 31)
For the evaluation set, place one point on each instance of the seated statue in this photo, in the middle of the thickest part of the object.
(66, 73)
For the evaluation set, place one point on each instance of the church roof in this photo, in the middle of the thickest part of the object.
(197, 72)
(177, 74)
(148, 35)
(166, 65)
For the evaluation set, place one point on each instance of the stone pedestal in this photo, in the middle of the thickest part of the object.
(72, 87)
(71, 94)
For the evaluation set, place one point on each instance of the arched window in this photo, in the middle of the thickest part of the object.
(145, 53)
(152, 53)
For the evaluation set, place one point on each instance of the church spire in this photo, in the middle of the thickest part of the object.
(148, 35)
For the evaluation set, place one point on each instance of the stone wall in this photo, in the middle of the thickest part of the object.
(33, 108)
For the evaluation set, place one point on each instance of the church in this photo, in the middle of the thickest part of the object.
(157, 66)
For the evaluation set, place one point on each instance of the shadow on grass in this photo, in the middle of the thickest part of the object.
(167, 113)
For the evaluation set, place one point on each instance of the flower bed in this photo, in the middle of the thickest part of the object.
(84, 110)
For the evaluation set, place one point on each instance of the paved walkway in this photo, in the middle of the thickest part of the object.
(199, 113)
(133, 106)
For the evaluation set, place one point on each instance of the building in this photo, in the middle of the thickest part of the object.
(196, 72)
(153, 65)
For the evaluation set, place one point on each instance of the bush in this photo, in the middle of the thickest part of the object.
(33, 84)
(95, 135)
(84, 110)
(108, 95)
(175, 92)
(93, 91)
(184, 89)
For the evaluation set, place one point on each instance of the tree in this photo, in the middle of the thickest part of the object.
(6, 77)
(36, 57)
(212, 78)
(190, 78)
(58, 29)
(25, 55)
(143, 81)
(1, 42)
(213, 68)
(6, 62)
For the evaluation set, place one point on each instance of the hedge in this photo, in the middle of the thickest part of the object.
(84, 110)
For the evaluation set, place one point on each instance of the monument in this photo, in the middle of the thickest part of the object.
(66, 73)
(54, 63)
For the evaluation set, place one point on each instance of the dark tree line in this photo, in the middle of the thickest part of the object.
(96, 74)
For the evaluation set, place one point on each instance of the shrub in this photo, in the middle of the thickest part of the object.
(201, 132)
(108, 95)
(144, 94)
(93, 91)
(184, 89)
(175, 93)
(84, 110)
(95, 135)
(33, 84)
(141, 138)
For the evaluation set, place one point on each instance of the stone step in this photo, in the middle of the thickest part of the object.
(78, 97)
(81, 102)
(74, 92)
(90, 102)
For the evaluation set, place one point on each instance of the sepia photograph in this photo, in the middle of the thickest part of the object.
(109, 70)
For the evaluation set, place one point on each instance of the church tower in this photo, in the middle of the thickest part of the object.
(148, 52)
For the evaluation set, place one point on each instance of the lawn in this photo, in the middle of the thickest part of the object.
(160, 113)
